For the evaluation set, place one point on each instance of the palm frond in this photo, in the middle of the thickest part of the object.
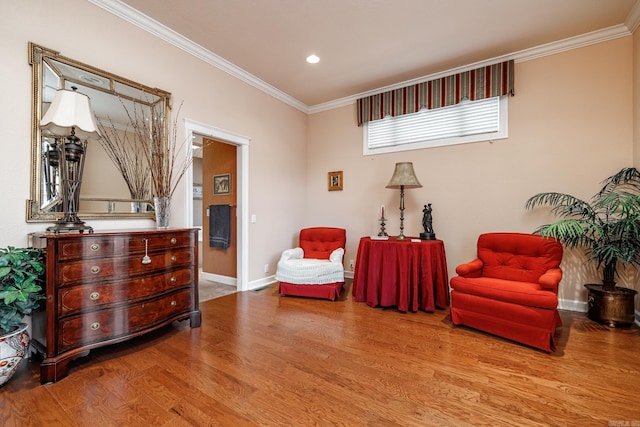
(629, 177)
(563, 205)
(571, 232)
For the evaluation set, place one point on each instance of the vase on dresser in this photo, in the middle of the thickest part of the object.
(162, 206)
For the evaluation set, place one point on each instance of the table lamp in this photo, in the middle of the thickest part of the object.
(70, 117)
(403, 177)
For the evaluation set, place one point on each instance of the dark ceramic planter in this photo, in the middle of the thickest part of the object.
(612, 308)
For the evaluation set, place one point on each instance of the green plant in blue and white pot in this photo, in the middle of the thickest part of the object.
(22, 277)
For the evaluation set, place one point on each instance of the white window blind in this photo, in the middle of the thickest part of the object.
(480, 120)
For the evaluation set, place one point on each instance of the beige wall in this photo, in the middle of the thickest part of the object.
(636, 99)
(87, 33)
(570, 126)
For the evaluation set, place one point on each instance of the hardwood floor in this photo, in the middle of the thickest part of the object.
(262, 359)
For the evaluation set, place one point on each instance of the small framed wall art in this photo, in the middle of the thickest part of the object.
(222, 184)
(335, 181)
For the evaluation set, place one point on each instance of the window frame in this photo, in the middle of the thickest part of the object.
(502, 133)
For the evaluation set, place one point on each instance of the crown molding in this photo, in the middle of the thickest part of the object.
(576, 42)
(131, 15)
(633, 19)
(142, 21)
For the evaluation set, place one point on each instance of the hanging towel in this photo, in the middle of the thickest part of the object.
(219, 226)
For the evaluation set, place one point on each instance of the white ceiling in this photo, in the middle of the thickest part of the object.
(367, 44)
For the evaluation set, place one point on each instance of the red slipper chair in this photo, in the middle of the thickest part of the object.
(314, 269)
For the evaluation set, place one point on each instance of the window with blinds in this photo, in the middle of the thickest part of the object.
(481, 120)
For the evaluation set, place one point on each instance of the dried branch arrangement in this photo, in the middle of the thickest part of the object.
(128, 157)
(167, 159)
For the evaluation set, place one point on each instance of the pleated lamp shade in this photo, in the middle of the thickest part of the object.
(404, 175)
(70, 109)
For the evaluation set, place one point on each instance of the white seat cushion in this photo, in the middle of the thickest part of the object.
(292, 268)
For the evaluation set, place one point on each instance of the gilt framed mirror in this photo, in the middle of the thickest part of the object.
(116, 181)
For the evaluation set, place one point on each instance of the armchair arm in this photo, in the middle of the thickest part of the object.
(550, 279)
(470, 269)
(295, 253)
(336, 256)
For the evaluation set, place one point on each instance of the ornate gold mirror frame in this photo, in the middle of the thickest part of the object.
(116, 101)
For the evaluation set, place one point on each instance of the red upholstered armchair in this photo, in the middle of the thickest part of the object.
(314, 269)
(511, 288)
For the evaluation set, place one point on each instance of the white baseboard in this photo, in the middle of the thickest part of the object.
(582, 307)
(563, 304)
(225, 280)
(266, 281)
(262, 283)
(571, 305)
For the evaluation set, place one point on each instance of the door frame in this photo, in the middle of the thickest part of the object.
(242, 161)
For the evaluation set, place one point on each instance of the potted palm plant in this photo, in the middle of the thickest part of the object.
(22, 275)
(608, 227)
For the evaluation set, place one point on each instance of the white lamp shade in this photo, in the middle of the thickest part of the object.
(70, 109)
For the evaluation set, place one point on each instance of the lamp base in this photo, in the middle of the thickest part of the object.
(66, 226)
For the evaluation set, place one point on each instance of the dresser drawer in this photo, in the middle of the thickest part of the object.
(93, 245)
(89, 328)
(74, 299)
(101, 269)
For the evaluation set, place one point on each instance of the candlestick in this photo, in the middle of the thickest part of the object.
(382, 232)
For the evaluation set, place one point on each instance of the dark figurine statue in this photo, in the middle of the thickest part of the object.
(427, 224)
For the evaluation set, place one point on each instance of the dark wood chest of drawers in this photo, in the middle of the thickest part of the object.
(104, 288)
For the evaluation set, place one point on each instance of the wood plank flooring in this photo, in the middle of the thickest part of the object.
(263, 359)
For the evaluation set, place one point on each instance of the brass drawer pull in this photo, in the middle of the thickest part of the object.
(173, 258)
(95, 247)
(174, 240)
(95, 326)
(95, 269)
(173, 303)
(173, 280)
(94, 296)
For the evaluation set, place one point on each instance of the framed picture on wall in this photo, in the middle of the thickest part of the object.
(335, 181)
(222, 184)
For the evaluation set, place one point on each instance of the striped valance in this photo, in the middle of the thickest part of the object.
(485, 82)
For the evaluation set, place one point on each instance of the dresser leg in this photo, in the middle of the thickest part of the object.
(51, 371)
(195, 319)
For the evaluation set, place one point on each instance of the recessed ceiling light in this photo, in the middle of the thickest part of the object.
(313, 59)
(91, 79)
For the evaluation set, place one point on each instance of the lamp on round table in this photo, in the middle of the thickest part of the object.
(403, 177)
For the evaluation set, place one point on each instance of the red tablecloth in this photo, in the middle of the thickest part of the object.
(408, 275)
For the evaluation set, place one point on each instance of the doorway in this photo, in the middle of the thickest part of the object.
(241, 145)
(220, 222)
